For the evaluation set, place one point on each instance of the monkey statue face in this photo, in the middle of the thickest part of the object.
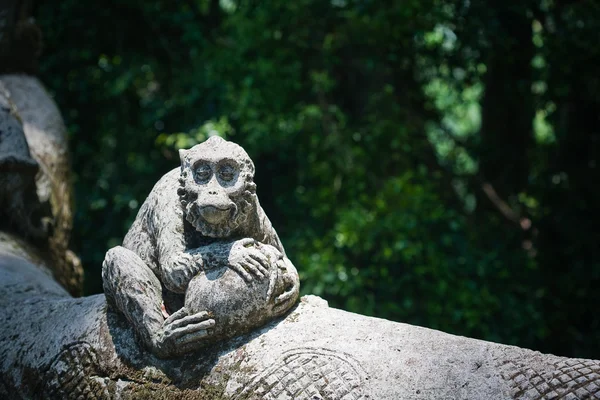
(216, 190)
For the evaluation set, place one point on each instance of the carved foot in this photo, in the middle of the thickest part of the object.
(182, 333)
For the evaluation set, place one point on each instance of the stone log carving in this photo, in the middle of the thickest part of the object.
(201, 262)
(54, 346)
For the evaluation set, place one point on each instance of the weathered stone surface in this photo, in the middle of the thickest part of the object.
(201, 223)
(19, 204)
(56, 347)
(53, 346)
(48, 198)
(238, 306)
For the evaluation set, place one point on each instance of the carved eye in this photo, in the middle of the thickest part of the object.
(203, 173)
(227, 173)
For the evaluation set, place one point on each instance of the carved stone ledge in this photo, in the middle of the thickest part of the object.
(56, 347)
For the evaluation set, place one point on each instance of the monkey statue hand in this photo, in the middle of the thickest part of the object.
(250, 259)
(182, 333)
(279, 270)
(291, 285)
(183, 268)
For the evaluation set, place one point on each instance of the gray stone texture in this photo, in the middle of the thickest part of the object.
(54, 346)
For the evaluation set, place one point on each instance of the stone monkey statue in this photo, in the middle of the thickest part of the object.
(20, 208)
(201, 220)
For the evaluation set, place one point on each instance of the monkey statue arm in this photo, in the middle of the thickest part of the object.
(135, 291)
(135, 274)
(267, 241)
(176, 263)
(267, 235)
(178, 267)
(267, 232)
(156, 236)
(246, 256)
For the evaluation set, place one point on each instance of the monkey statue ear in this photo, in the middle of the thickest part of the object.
(182, 154)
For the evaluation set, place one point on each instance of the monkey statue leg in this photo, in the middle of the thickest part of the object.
(132, 288)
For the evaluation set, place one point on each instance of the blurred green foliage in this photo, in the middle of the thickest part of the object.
(427, 161)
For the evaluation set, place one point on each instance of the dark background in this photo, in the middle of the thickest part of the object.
(434, 162)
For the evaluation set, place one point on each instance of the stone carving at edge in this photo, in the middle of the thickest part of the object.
(20, 208)
(201, 262)
(190, 253)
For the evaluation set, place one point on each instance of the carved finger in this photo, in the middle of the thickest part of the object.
(272, 285)
(192, 345)
(183, 260)
(178, 333)
(285, 296)
(260, 256)
(239, 268)
(256, 268)
(192, 338)
(268, 249)
(180, 275)
(280, 308)
(181, 313)
(284, 302)
(264, 268)
(190, 319)
(246, 242)
(187, 270)
(250, 268)
(281, 265)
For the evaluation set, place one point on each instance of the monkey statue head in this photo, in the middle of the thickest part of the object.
(217, 189)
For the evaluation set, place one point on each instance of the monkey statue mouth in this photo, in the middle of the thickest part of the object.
(214, 214)
(214, 220)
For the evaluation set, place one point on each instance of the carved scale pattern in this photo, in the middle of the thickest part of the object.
(74, 375)
(309, 374)
(569, 379)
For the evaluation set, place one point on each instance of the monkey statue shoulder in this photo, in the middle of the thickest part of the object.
(201, 262)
